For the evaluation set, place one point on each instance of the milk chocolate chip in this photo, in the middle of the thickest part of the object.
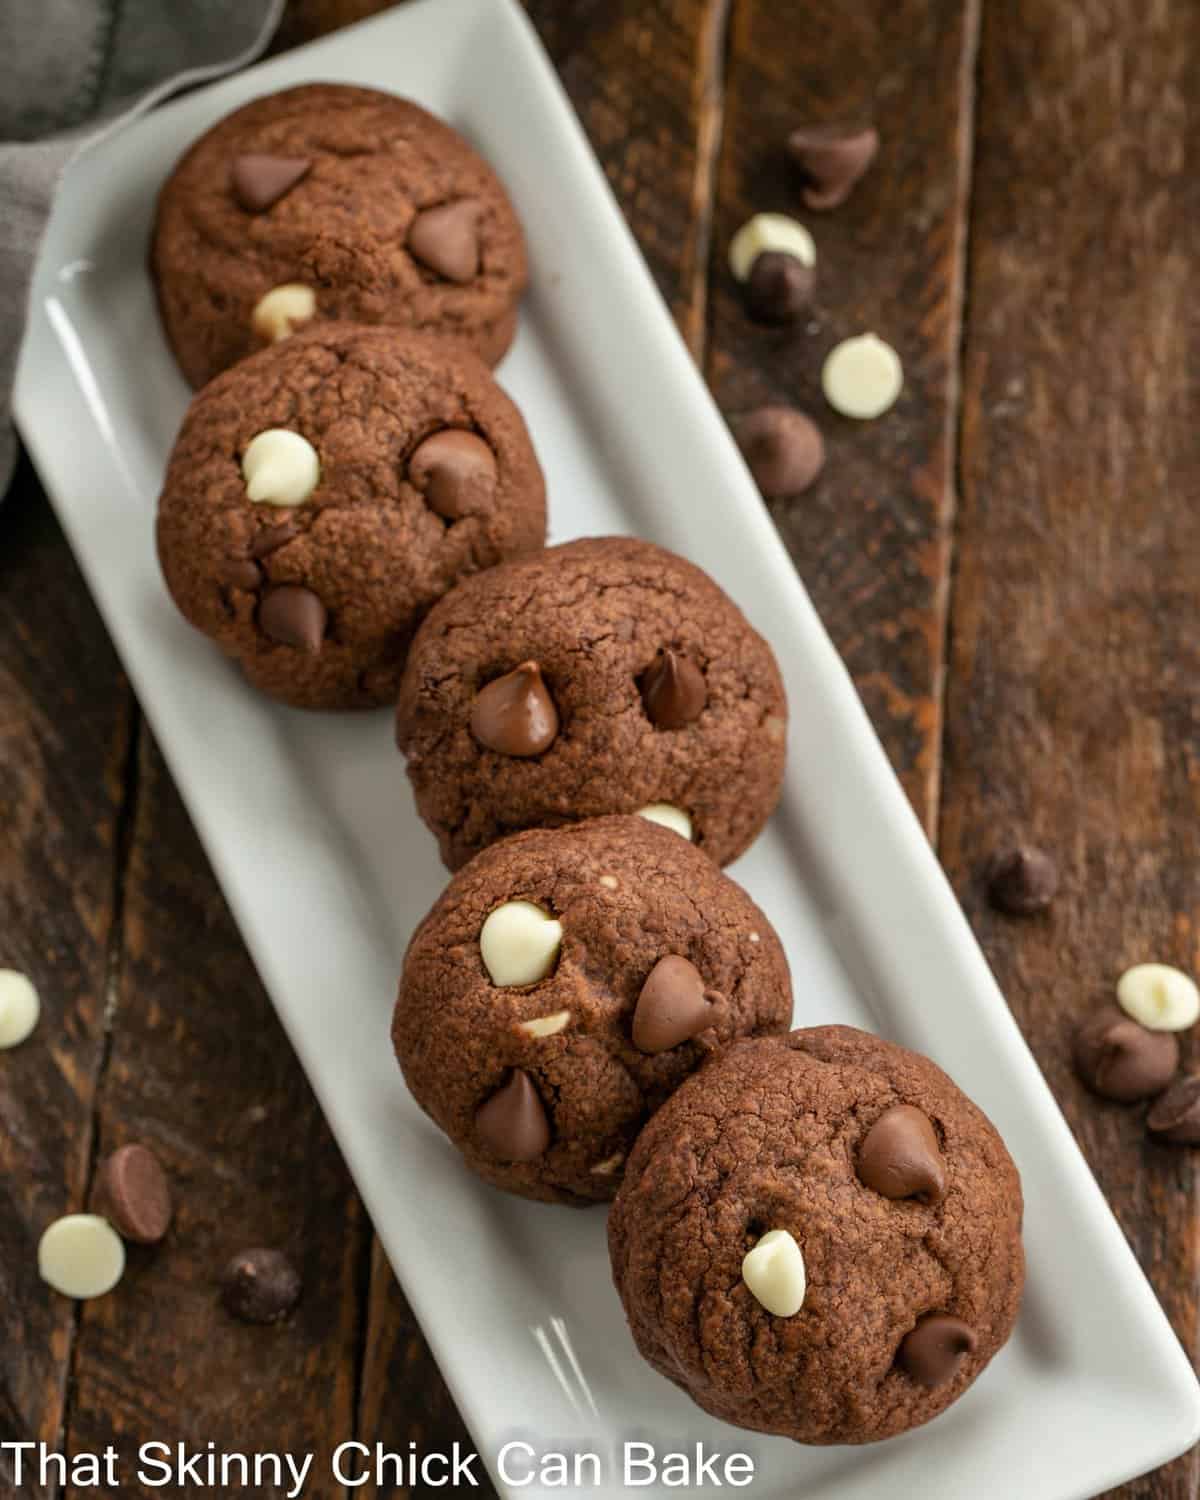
(673, 690)
(1175, 1117)
(900, 1156)
(259, 180)
(673, 1007)
(293, 616)
(446, 239)
(931, 1353)
(456, 472)
(783, 449)
(512, 1124)
(135, 1194)
(1120, 1059)
(515, 714)
(832, 159)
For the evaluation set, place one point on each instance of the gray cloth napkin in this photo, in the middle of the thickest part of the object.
(70, 72)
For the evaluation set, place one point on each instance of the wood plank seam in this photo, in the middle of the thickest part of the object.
(972, 38)
(711, 67)
(123, 837)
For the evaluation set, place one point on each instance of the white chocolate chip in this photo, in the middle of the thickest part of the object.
(769, 232)
(545, 1025)
(670, 817)
(609, 1165)
(774, 1273)
(754, 938)
(1160, 997)
(19, 1008)
(81, 1256)
(282, 310)
(609, 882)
(280, 467)
(519, 943)
(862, 377)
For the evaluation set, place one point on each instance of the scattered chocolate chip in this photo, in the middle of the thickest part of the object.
(446, 239)
(673, 1007)
(1022, 880)
(241, 573)
(1175, 1116)
(673, 690)
(271, 538)
(779, 287)
(1119, 1058)
(135, 1195)
(293, 616)
(900, 1156)
(782, 447)
(512, 1124)
(456, 472)
(259, 180)
(515, 714)
(931, 1353)
(260, 1286)
(832, 159)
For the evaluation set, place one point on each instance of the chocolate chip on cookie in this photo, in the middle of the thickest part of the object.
(652, 694)
(799, 1275)
(331, 201)
(325, 492)
(568, 980)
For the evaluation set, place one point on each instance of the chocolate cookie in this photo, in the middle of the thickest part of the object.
(323, 493)
(819, 1236)
(564, 984)
(602, 676)
(331, 201)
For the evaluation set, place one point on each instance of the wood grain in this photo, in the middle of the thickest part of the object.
(201, 1071)
(64, 720)
(1072, 710)
(871, 538)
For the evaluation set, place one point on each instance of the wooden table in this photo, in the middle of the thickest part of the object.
(1009, 571)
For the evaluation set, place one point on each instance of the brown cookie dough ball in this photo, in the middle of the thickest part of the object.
(649, 957)
(423, 472)
(601, 676)
(343, 202)
(899, 1198)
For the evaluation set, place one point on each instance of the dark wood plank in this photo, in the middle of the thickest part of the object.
(64, 718)
(1074, 665)
(645, 80)
(201, 1071)
(871, 538)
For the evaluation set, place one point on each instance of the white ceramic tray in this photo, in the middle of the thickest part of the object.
(310, 828)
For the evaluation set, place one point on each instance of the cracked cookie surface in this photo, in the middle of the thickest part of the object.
(596, 616)
(627, 894)
(372, 163)
(366, 543)
(767, 1136)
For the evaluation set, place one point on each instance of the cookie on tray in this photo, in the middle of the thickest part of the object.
(602, 676)
(819, 1236)
(565, 983)
(332, 201)
(325, 492)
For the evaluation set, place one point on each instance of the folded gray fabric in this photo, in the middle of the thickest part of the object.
(71, 71)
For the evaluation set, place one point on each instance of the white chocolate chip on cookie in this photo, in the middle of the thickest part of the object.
(774, 1273)
(668, 816)
(282, 310)
(519, 943)
(280, 468)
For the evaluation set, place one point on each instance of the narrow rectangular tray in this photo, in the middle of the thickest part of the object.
(516, 1298)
